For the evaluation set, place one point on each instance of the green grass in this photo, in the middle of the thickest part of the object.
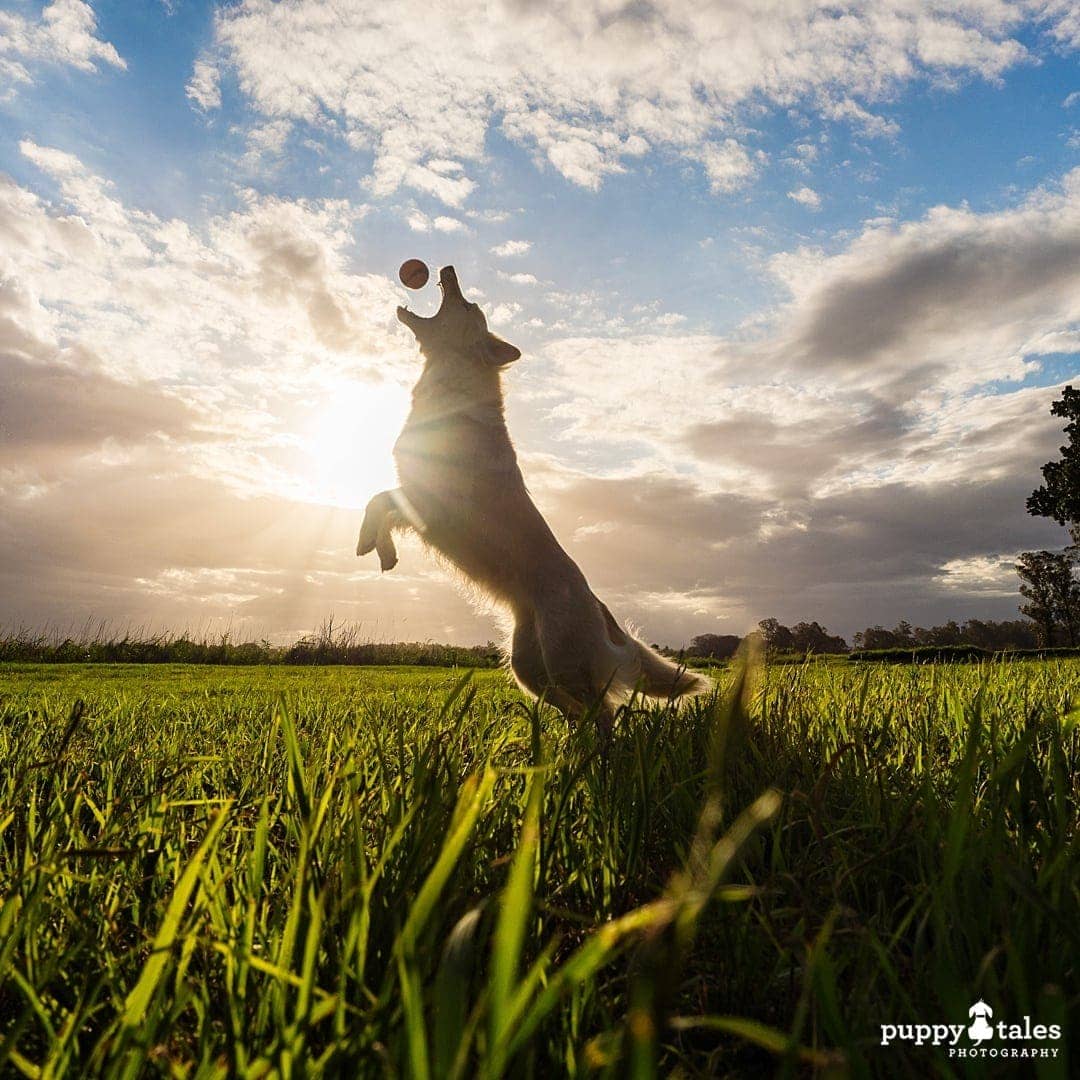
(366, 872)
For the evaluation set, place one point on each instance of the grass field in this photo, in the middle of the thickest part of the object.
(366, 872)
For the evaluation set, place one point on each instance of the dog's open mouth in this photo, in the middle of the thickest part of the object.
(448, 282)
(451, 290)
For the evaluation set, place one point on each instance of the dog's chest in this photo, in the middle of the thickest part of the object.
(452, 434)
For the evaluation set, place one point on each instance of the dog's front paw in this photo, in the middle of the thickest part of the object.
(368, 538)
(387, 553)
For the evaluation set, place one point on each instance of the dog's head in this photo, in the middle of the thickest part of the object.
(458, 330)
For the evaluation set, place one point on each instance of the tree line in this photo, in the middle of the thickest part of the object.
(812, 638)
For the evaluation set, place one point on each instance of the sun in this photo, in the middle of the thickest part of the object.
(348, 442)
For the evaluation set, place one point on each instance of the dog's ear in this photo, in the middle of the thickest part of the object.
(499, 352)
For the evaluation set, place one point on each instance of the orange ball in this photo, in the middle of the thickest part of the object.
(413, 274)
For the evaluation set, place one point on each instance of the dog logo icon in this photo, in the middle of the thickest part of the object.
(980, 1029)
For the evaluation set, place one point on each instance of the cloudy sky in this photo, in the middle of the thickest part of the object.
(795, 284)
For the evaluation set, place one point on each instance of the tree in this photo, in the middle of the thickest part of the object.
(998, 636)
(1059, 495)
(874, 637)
(777, 637)
(947, 634)
(812, 637)
(803, 637)
(716, 646)
(1052, 593)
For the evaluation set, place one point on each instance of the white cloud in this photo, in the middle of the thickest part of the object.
(204, 86)
(267, 283)
(519, 278)
(511, 248)
(15, 75)
(1063, 18)
(803, 155)
(391, 172)
(982, 574)
(728, 165)
(446, 224)
(504, 314)
(949, 46)
(590, 86)
(806, 196)
(581, 152)
(65, 33)
(492, 217)
(266, 141)
(871, 124)
(418, 221)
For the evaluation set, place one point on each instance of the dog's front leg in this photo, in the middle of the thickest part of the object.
(384, 542)
(375, 533)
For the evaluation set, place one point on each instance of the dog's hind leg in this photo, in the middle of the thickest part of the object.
(572, 687)
(526, 659)
(527, 664)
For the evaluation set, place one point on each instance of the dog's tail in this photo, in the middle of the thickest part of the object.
(661, 678)
(644, 670)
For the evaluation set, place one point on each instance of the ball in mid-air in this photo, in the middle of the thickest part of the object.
(413, 274)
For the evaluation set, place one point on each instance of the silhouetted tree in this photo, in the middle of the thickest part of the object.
(874, 637)
(1052, 593)
(1059, 495)
(804, 637)
(716, 646)
(777, 637)
(947, 634)
(1008, 634)
(813, 637)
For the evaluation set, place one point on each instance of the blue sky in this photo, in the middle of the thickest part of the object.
(795, 286)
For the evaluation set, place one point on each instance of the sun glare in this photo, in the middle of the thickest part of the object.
(349, 443)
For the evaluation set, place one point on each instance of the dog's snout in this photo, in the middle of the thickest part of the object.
(448, 280)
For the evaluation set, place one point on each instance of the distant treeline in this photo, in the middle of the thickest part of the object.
(1008, 635)
(326, 646)
(984, 636)
(958, 654)
(974, 639)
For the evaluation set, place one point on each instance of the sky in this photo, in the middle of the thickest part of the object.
(795, 284)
